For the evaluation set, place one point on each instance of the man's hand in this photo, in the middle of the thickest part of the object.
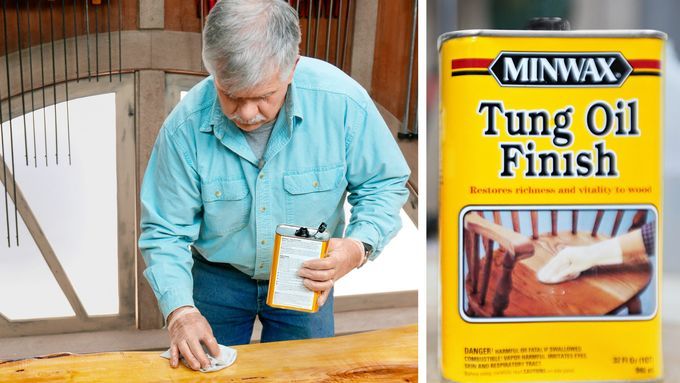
(343, 255)
(188, 328)
(571, 261)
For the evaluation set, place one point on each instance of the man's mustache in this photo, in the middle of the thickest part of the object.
(254, 120)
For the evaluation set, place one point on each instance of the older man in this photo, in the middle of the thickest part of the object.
(269, 138)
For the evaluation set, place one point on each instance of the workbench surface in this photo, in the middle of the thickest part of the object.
(378, 356)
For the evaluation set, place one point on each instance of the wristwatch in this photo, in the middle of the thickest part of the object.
(368, 251)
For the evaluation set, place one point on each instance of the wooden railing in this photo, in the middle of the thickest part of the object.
(327, 27)
(512, 244)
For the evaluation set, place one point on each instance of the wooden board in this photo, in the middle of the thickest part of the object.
(598, 291)
(378, 356)
(391, 58)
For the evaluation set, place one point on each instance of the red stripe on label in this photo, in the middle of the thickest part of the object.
(470, 63)
(645, 64)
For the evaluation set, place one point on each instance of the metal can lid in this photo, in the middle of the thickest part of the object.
(583, 33)
(548, 24)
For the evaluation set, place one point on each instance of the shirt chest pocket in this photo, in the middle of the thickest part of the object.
(226, 206)
(314, 196)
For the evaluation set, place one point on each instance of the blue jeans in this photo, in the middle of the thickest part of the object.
(230, 300)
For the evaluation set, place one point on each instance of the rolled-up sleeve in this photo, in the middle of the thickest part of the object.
(376, 173)
(170, 221)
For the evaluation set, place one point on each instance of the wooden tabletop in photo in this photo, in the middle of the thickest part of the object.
(378, 356)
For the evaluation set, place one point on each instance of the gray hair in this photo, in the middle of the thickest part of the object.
(244, 41)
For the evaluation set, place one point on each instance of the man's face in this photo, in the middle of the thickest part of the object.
(251, 108)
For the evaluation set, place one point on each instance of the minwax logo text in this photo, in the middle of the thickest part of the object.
(597, 69)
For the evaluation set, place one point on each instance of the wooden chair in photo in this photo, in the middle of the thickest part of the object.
(503, 282)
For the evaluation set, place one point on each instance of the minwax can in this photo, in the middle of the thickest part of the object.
(293, 245)
(551, 205)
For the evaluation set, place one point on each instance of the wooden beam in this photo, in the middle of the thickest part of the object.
(348, 322)
(363, 42)
(151, 108)
(42, 243)
(64, 325)
(151, 14)
(397, 299)
(385, 355)
(126, 172)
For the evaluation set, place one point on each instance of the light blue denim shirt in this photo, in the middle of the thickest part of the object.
(203, 186)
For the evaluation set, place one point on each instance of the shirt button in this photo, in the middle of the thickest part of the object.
(315, 184)
(263, 241)
(263, 209)
(262, 265)
(218, 193)
(262, 176)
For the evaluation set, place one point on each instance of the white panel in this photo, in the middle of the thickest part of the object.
(394, 270)
(76, 205)
(28, 288)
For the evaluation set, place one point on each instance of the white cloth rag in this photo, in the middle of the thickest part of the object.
(226, 359)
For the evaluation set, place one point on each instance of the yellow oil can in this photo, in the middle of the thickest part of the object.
(550, 211)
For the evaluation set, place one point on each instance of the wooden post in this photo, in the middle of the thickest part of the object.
(467, 248)
(151, 107)
(634, 305)
(497, 217)
(501, 300)
(515, 221)
(639, 219)
(475, 263)
(553, 221)
(617, 223)
(574, 221)
(534, 224)
(487, 271)
(596, 225)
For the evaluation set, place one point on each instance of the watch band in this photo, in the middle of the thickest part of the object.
(368, 251)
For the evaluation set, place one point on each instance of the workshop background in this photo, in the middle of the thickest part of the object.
(84, 87)
(449, 15)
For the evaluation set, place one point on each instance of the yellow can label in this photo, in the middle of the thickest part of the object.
(551, 208)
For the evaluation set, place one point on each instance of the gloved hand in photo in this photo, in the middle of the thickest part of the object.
(570, 262)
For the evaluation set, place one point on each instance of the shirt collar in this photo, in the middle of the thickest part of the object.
(292, 103)
(216, 114)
